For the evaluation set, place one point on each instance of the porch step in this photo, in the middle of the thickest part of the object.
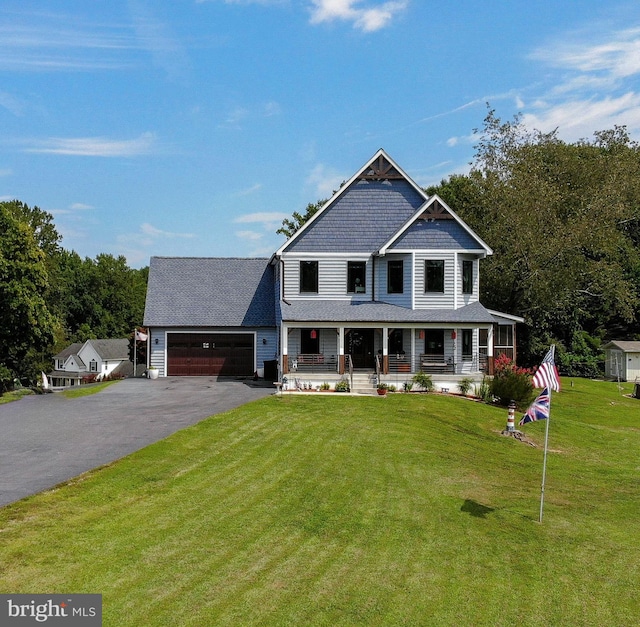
(363, 383)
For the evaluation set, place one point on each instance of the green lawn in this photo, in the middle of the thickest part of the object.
(331, 510)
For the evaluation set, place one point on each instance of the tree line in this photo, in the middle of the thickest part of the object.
(51, 297)
(563, 220)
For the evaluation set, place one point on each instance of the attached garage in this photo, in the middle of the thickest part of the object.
(210, 354)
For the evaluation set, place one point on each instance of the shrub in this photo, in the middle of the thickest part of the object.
(483, 391)
(407, 386)
(392, 388)
(423, 380)
(343, 386)
(6, 379)
(511, 383)
(465, 385)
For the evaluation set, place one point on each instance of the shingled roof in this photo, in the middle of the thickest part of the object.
(361, 219)
(376, 311)
(210, 292)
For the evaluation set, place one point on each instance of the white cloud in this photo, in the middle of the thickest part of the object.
(249, 235)
(152, 231)
(80, 206)
(597, 89)
(618, 57)
(324, 180)
(250, 190)
(241, 113)
(266, 217)
(365, 19)
(94, 146)
(577, 119)
(155, 37)
(48, 41)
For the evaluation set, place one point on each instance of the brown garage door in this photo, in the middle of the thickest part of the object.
(217, 354)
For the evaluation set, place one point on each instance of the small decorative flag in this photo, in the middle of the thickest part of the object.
(547, 374)
(539, 409)
(141, 336)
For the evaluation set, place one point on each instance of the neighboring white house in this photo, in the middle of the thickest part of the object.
(91, 360)
(622, 360)
(383, 278)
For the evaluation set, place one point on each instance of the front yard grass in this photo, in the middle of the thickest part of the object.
(334, 510)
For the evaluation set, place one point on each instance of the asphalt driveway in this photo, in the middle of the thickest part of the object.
(48, 439)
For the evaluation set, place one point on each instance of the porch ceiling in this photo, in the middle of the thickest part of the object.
(375, 311)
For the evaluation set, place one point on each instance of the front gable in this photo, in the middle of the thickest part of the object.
(364, 214)
(435, 226)
(90, 357)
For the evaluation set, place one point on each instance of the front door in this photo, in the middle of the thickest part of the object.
(359, 344)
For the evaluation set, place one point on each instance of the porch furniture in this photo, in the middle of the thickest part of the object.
(436, 364)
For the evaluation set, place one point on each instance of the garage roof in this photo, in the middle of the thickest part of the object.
(210, 292)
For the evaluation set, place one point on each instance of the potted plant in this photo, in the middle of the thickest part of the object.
(152, 372)
(382, 388)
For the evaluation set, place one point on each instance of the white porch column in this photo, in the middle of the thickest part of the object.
(413, 350)
(490, 342)
(490, 350)
(341, 364)
(284, 349)
(385, 350)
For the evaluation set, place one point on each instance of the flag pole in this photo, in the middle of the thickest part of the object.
(544, 460)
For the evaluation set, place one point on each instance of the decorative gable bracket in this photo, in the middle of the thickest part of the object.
(381, 169)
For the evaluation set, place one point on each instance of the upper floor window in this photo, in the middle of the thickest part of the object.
(309, 276)
(434, 275)
(395, 276)
(93, 366)
(356, 277)
(467, 276)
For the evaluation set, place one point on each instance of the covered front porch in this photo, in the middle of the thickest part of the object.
(387, 350)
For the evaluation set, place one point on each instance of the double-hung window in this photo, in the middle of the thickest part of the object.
(434, 275)
(309, 277)
(356, 277)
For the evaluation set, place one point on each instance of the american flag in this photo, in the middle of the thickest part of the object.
(547, 374)
(539, 409)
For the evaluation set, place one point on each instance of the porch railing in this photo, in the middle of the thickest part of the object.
(314, 362)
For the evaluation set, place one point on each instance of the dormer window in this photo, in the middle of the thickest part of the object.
(356, 277)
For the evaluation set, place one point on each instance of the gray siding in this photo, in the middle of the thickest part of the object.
(404, 299)
(332, 280)
(430, 300)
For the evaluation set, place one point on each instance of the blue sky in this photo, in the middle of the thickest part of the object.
(193, 127)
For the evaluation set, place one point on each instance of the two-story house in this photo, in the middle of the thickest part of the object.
(383, 278)
(90, 360)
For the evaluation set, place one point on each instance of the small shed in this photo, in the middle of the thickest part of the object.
(622, 360)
